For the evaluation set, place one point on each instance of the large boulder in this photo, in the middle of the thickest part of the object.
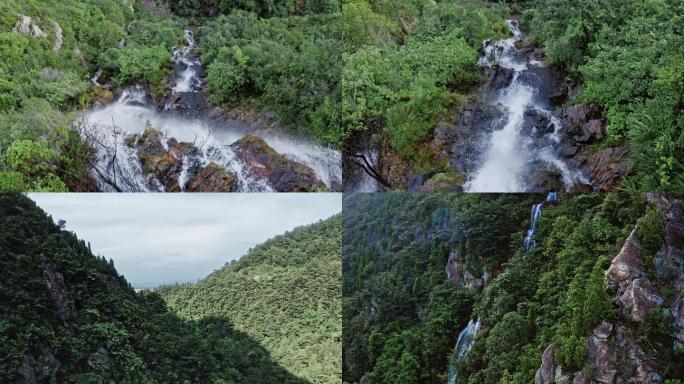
(606, 168)
(27, 26)
(212, 178)
(645, 365)
(263, 162)
(156, 160)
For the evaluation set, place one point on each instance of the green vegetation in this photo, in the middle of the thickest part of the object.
(290, 65)
(402, 314)
(285, 293)
(628, 56)
(408, 63)
(68, 317)
(44, 80)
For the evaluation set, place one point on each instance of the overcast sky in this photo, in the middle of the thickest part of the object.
(164, 238)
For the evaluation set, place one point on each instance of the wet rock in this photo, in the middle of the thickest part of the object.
(156, 160)
(99, 96)
(559, 95)
(544, 178)
(626, 266)
(501, 77)
(100, 360)
(212, 178)
(189, 103)
(282, 174)
(568, 147)
(536, 123)
(64, 306)
(546, 373)
(638, 299)
(417, 182)
(606, 168)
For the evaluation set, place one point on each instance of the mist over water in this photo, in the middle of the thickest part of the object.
(117, 167)
(511, 152)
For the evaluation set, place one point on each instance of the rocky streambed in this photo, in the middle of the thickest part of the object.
(519, 133)
(182, 143)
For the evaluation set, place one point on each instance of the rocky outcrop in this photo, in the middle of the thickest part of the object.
(27, 26)
(546, 372)
(156, 160)
(602, 354)
(100, 360)
(639, 299)
(626, 266)
(212, 178)
(37, 370)
(57, 30)
(605, 168)
(63, 305)
(264, 163)
(644, 365)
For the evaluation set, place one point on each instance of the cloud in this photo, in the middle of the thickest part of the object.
(164, 238)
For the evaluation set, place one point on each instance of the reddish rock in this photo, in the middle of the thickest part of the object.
(606, 168)
(626, 266)
(579, 115)
(638, 299)
(212, 178)
(156, 160)
(282, 174)
(603, 356)
(591, 131)
(646, 369)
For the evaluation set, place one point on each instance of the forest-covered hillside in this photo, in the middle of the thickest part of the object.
(418, 106)
(67, 316)
(285, 293)
(59, 59)
(419, 267)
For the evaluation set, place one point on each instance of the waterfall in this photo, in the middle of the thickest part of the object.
(464, 343)
(518, 145)
(466, 339)
(529, 241)
(116, 166)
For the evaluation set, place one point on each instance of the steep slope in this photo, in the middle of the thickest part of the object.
(596, 296)
(284, 293)
(66, 316)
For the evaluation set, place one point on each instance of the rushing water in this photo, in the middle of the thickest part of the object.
(513, 150)
(464, 343)
(117, 166)
(466, 339)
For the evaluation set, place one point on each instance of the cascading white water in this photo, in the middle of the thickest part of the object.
(464, 344)
(510, 153)
(529, 241)
(466, 338)
(117, 166)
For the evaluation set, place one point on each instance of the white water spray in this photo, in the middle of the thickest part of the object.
(510, 153)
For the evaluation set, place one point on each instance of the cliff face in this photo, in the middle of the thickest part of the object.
(637, 344)
(67, 316)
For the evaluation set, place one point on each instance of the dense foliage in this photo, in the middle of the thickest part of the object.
(68, 317)
(402, 315)
(264, 8)
(285, 293)
(44, 78)
(289, 65)
(407, 63)
(629, 58)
